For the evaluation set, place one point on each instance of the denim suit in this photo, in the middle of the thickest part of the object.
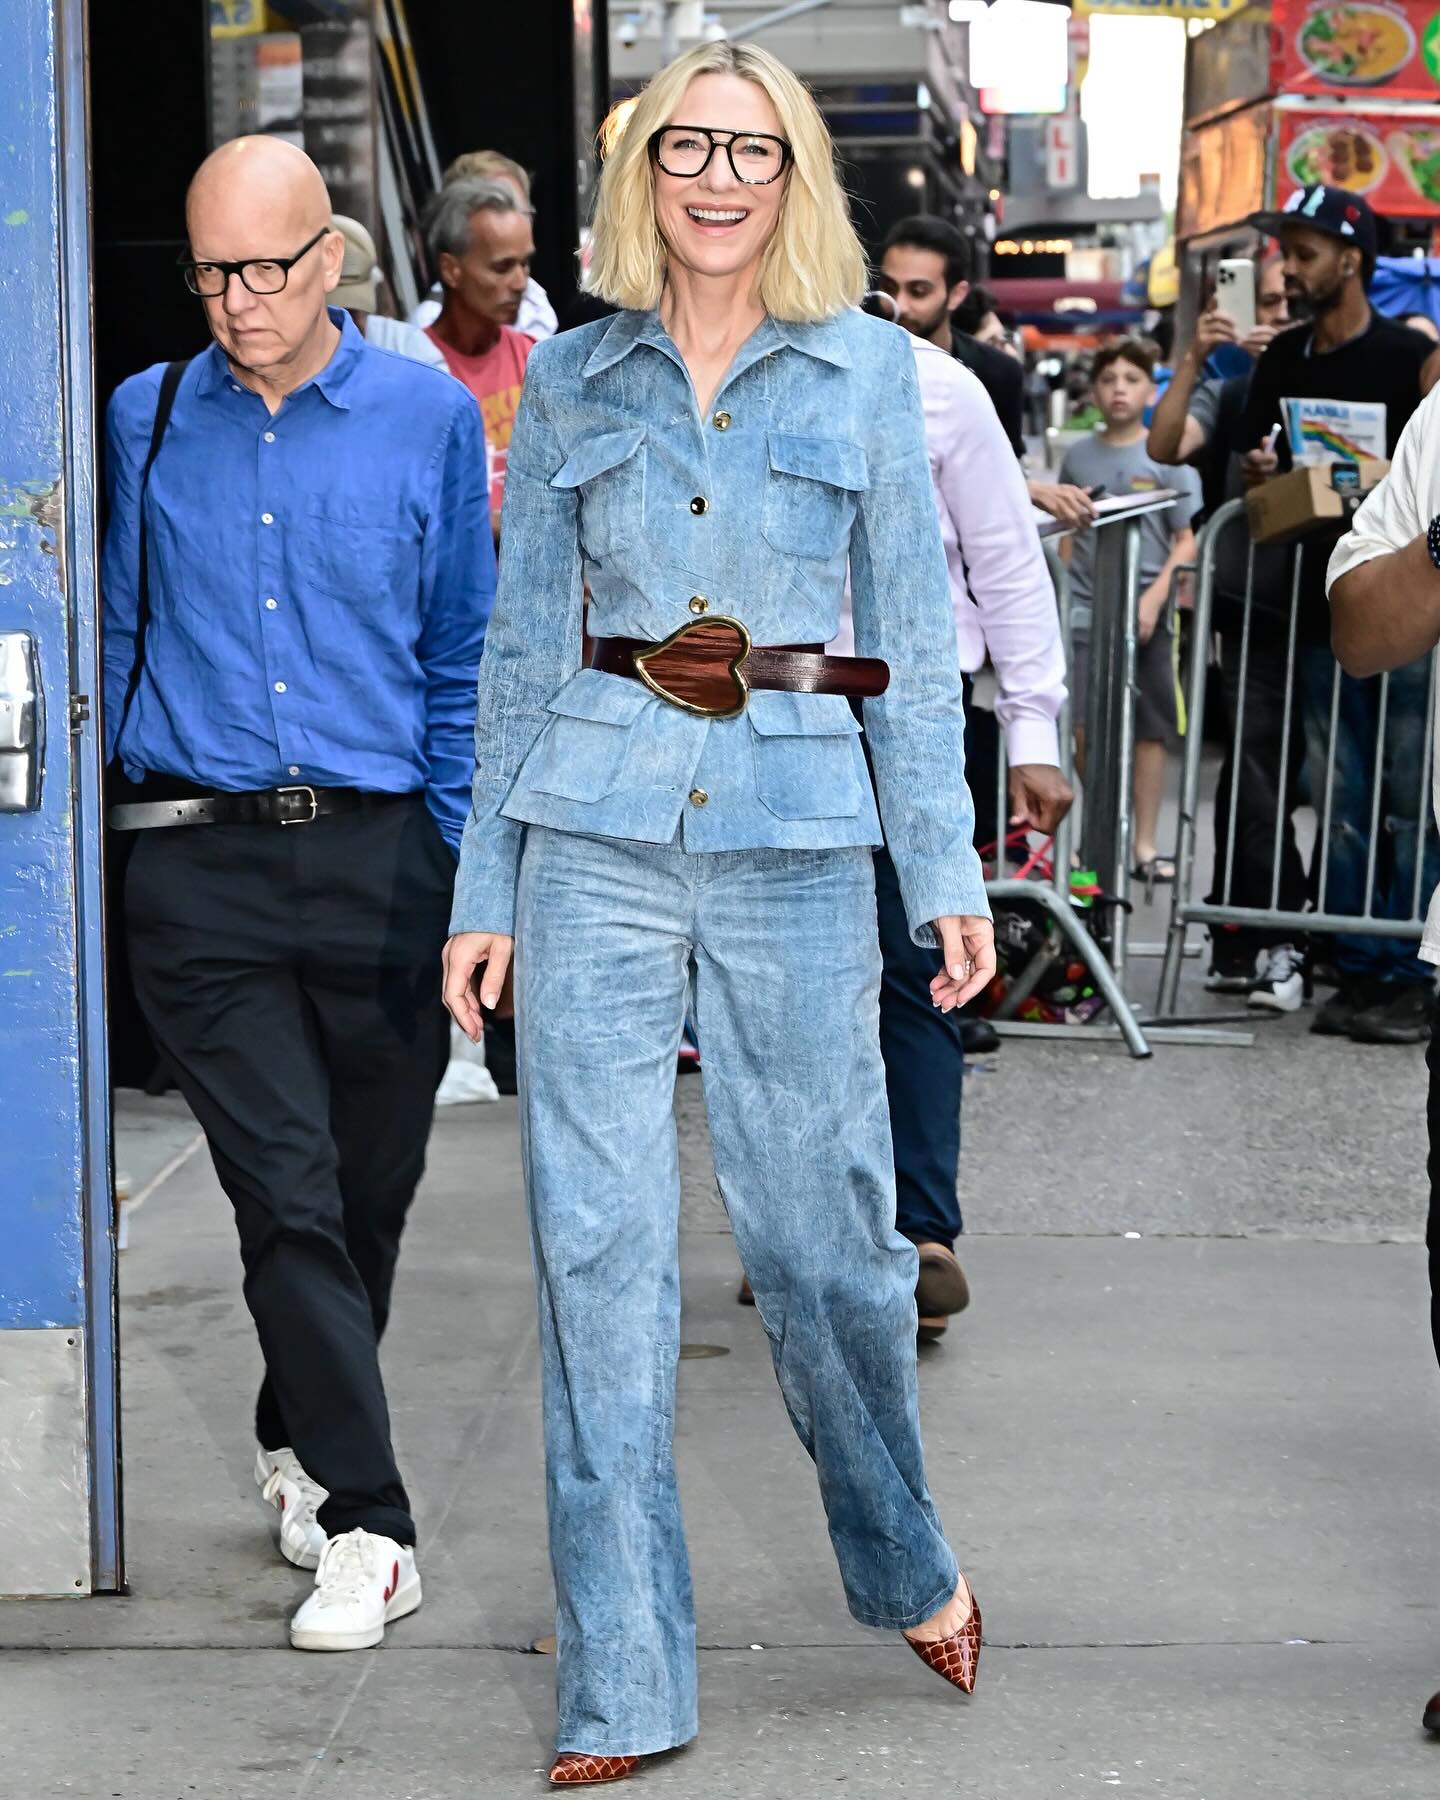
(648, 861)
(820, 460)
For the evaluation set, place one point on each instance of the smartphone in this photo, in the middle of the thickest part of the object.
(1235, 292)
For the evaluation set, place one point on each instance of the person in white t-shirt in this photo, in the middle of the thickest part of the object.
(1384, 587)
(536, 318)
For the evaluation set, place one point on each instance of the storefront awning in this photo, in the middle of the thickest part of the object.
(1059, 305)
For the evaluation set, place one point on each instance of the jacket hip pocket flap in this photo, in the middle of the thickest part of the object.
(831, 460)
(775, 714)
(581, 753)
(602, 699)
(596, 454)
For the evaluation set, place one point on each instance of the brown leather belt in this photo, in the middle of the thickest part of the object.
(709, 667)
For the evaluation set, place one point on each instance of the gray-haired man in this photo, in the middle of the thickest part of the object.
(481, 244)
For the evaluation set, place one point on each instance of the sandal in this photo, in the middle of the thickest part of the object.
(1155, 871)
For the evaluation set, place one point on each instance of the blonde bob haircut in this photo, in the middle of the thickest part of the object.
(813, 266)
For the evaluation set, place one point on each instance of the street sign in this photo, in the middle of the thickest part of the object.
(1062, 153)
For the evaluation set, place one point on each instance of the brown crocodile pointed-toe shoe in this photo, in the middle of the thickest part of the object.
(574, 1768)
(957, 1657)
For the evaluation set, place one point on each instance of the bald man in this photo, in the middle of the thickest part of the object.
(297, 575)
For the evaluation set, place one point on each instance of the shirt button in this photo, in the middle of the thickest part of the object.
(279, 687)
(270, 605)
(698, 797)
(699, 604)
(269, 437)
(699, 505)
(267, 518)
(721, 421)
(294, 769)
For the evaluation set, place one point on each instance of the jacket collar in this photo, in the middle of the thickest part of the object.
(333, 380)
(824, 340)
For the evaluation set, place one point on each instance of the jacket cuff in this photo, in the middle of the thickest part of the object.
(485, 881)
(1032, 740)
(937, 887)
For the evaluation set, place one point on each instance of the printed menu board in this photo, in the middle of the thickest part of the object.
(1392, 159)
(1389, 47)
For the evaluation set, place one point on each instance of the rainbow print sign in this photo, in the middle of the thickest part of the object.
(1330, 431)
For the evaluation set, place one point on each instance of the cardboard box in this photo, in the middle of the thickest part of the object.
(1289, 506)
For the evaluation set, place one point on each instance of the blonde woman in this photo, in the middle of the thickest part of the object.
(690, 820)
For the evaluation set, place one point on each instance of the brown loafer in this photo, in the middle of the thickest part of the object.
(576, 1768)
(930, 1331)
(1431, 1721)
(942, 1288)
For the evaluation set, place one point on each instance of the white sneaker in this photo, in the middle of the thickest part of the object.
(363, 1582)
(1282, 986)
(297, 1499)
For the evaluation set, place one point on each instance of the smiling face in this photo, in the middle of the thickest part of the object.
(712, 224)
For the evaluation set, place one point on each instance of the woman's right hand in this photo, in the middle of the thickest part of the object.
(464, 954)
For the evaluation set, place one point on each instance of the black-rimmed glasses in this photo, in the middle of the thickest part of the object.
(261, 274)
(755, 157)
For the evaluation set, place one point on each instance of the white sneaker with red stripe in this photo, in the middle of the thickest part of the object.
(284, 1485)
(363, 1582)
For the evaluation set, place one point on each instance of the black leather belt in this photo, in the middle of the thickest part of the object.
(268, 806)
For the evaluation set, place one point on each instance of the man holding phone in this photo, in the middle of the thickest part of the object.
(1348, 351)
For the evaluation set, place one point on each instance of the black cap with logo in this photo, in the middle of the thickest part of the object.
(1334, 211)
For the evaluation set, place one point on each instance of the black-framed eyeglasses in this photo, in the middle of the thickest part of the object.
(261, 274)
(756, 157)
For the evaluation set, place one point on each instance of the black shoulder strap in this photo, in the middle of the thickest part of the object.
(164, 406)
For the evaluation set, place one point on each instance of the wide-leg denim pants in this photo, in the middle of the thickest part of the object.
(777, 952)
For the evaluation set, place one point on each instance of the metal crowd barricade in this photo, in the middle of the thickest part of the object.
(1108, 789)
(1269, 914)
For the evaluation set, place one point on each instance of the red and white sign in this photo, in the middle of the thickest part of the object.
(1062, 153)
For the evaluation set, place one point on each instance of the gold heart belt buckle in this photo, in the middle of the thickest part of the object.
(700, 668)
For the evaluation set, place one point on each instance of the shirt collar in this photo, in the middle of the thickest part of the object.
(332, 381)
(824, 340)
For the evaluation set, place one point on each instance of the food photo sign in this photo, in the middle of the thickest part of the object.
(1393, 159)
(1389, 47)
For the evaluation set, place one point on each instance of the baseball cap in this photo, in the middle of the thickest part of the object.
(358, 273)
(1335, 211)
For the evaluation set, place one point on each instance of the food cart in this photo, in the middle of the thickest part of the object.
(1307, 91)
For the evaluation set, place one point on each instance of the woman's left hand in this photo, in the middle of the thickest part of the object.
(968, 945)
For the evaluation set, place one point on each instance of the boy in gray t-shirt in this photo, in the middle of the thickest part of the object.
(1116, 459)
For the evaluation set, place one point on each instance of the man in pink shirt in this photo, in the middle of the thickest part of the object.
(1004, 604)
(481, 245)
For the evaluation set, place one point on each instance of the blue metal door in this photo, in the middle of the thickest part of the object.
(59, 1460)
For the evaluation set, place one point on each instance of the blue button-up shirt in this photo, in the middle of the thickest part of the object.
(320, 580)
(809, 463)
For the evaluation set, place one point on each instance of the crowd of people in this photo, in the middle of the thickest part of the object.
(722, 564)
(1299, 728)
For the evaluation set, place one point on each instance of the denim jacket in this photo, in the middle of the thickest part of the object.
(812, 460)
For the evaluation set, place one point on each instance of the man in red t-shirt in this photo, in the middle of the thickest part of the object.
(481, 245)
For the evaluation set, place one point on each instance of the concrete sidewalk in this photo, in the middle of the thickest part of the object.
(1191, 1474)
